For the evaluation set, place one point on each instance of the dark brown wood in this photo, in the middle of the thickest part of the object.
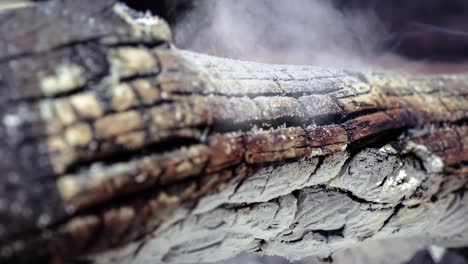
(113, 139)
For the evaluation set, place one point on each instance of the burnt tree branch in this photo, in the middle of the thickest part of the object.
(118, 147)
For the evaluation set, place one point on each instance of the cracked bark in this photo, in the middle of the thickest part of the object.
(118, 147)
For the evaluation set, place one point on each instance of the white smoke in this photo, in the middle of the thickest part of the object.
(283, 31)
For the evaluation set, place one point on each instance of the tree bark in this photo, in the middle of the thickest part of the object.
(118, 147)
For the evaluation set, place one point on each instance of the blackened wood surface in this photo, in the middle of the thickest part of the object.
(112, 137)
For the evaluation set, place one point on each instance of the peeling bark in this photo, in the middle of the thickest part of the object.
(118, 147)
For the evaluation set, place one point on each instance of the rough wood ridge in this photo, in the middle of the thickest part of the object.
(118, 147)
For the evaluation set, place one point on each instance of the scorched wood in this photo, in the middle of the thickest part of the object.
(118, 147)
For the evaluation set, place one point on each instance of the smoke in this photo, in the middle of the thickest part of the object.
(285, 32)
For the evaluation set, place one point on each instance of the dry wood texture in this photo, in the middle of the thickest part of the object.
(113, 139)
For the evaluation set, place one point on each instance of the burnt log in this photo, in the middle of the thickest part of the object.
(116, 147)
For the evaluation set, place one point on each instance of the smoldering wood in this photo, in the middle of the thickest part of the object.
(119, 148)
